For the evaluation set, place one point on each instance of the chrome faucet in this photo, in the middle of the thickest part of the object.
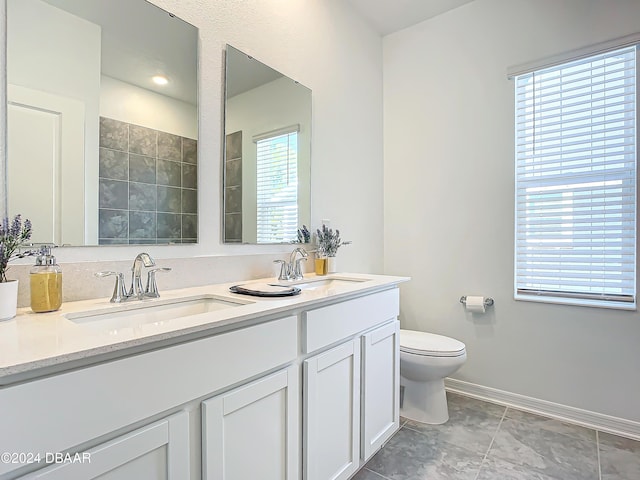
(294, 265)
(136, 291)
(293, 270)
(136, 271)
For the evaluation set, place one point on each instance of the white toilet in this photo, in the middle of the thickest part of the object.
(425, 360)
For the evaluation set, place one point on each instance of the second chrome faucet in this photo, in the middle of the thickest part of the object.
(136, 291)
(293, 270)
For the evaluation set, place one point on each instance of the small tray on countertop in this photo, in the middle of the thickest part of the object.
(265, 290)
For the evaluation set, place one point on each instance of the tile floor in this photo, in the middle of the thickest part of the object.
(484, 441)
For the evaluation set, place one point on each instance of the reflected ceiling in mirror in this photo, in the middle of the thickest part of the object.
(267, 155)
(98, 152)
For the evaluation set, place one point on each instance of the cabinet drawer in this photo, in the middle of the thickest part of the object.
(327, 325)
(76, 407)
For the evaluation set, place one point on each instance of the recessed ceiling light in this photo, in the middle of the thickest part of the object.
(160, 80)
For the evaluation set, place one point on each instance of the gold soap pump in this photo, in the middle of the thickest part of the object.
(46, 282)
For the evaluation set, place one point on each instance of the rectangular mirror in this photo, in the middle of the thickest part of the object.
(102, 122)
(267, 155)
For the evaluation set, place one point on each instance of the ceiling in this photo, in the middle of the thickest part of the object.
(140, 40)
(388, 16)
(246, 73)
(164, 44)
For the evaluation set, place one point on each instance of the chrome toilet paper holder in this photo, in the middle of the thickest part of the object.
(488, 301)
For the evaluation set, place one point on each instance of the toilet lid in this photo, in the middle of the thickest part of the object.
(423, 343)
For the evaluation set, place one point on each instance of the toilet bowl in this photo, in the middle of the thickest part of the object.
(425, 360)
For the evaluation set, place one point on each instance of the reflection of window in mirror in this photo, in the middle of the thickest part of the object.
(277, 185)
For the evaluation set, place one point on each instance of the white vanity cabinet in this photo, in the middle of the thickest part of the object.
(252, 432)
(302, 391)
(85, 409)
(351, 391)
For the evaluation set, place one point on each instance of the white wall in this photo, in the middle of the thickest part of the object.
(449, 190)
(275, 105)
(326, 46)
(131, 104)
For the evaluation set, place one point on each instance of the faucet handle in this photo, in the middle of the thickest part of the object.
(152, 287)
(119, 291)
(297, 273)
(284, 270)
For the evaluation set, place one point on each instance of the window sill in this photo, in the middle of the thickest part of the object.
(578, 302)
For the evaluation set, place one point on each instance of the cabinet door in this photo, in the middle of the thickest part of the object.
(158, 451)
(332, 413)
(252, 432)
(380, 387)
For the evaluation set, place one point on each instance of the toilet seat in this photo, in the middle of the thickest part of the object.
(430, 344)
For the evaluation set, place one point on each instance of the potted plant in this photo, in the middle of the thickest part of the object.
(328, 243)
(12, 235)
(304, 235)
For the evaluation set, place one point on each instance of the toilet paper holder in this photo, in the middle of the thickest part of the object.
(488, 301)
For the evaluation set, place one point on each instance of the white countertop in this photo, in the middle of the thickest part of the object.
(34, 344)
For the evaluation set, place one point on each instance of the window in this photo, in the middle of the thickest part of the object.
(576, 181)
(277, 186)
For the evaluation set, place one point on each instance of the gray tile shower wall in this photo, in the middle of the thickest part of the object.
(147, 186)
(233, 188)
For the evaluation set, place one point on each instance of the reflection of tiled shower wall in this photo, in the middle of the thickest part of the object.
(148, 185)
(233, 188)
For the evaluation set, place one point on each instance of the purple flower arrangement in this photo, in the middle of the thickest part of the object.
(304, 235)
(12, 235)
(328, 241)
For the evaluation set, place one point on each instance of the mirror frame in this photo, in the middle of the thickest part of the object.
(3, 117)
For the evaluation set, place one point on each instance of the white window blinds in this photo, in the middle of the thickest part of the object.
(277, 187)
(576, 180)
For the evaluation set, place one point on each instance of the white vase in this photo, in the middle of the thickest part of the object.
(8, 299)
(332, 265)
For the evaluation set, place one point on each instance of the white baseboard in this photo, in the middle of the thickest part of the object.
(586, 418)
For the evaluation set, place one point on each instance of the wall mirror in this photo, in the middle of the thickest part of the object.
(102, 122)
(267, 154)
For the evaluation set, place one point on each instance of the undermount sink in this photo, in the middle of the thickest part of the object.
(328, 283)
(156, 312)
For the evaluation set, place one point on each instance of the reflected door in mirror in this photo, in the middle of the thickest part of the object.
(43, 129)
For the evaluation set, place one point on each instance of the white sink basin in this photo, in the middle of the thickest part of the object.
(326, 283)
(154, 312)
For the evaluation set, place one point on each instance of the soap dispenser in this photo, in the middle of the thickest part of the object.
(46, 282)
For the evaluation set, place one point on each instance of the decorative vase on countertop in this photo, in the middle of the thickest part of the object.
(332, 265)
(8, 299)
(328, 243)
(321, 265)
